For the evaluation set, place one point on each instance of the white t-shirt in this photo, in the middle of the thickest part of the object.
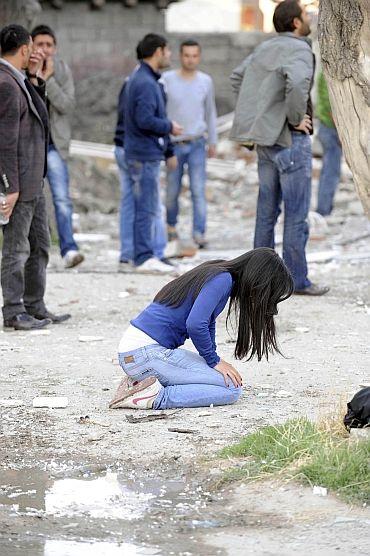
(133, 339)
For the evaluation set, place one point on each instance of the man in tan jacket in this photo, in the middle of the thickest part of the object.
(60, 103)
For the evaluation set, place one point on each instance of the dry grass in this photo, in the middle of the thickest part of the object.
(330, 420)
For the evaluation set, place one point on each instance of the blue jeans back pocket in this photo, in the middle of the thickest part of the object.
(133, 361)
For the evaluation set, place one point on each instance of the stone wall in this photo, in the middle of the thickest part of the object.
(100, 48)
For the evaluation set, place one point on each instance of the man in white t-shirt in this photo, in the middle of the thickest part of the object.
(191, 102)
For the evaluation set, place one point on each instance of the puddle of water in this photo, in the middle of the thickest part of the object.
(74, 548)
(86, 504)
(104, 497)
(71, 548)
(101, 498)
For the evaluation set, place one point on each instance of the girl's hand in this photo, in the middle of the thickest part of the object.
(229, 373)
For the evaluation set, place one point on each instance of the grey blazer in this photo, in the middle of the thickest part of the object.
(273, 86)
(23, 135)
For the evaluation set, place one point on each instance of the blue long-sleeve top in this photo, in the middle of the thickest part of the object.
(171, 326)
(144, 124)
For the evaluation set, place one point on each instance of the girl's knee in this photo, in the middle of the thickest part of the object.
(234, 394)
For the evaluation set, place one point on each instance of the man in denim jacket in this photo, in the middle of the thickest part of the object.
(274, 112)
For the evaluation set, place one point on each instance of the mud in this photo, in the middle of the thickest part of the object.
(104, 485)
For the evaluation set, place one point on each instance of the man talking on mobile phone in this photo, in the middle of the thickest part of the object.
(60, 103)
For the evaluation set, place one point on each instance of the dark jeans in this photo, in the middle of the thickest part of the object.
(330, 171)
(144, 179)
(26, 243)
(285, 176)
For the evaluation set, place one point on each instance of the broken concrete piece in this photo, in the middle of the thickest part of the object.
(51, 402)
(320, 491)
(301, 329)
(42, 332)
(360, 434)
(283, 394)
(122, 295)
(95, 438)
(90, 338)
(11, 403)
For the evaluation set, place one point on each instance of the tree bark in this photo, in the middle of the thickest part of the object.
(344, 37)
(18, 11)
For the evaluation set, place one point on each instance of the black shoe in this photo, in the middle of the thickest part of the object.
(200, 241)
(313, 289)
(24, 321)
(55, 319)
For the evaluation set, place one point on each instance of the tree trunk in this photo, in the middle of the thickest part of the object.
(344, 37)
(18, 11)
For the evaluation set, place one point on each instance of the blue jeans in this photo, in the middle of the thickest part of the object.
(127, 215)
(330, 171)
(193, 154)
(144, 183)
(285, 176)
(58, 178)
(185, 376)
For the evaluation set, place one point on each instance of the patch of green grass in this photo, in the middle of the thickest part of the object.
(273, 448)
(342, 467)
(300, 448)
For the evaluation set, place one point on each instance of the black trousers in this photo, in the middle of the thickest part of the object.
(25, 255)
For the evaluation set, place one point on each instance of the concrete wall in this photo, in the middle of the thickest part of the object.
(100, 48)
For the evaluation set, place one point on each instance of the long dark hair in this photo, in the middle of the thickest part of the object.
(260, 281)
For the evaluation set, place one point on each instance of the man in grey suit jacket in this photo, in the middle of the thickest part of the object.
(61, 103)
(24, 131)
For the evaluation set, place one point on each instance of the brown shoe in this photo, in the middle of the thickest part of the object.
(313, 290)
(128, 387)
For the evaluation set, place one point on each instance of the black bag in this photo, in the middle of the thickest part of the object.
(358, 414)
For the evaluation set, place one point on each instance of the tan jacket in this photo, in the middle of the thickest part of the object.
(61, 96)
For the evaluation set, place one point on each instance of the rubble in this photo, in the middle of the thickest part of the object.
(79, 359)
(50, 402)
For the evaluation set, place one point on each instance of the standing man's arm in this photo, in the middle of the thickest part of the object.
(237, 76)
(298, 73)
(211, 119)
(171, 158)
(9, 137)
(61, 96)
(144, 113)
(120, 127)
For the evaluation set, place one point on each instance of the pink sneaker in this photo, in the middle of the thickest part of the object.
(124, 385)
(136, 395)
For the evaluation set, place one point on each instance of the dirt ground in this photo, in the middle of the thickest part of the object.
(150, 490)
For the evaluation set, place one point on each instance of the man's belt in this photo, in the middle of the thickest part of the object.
(188, 140)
